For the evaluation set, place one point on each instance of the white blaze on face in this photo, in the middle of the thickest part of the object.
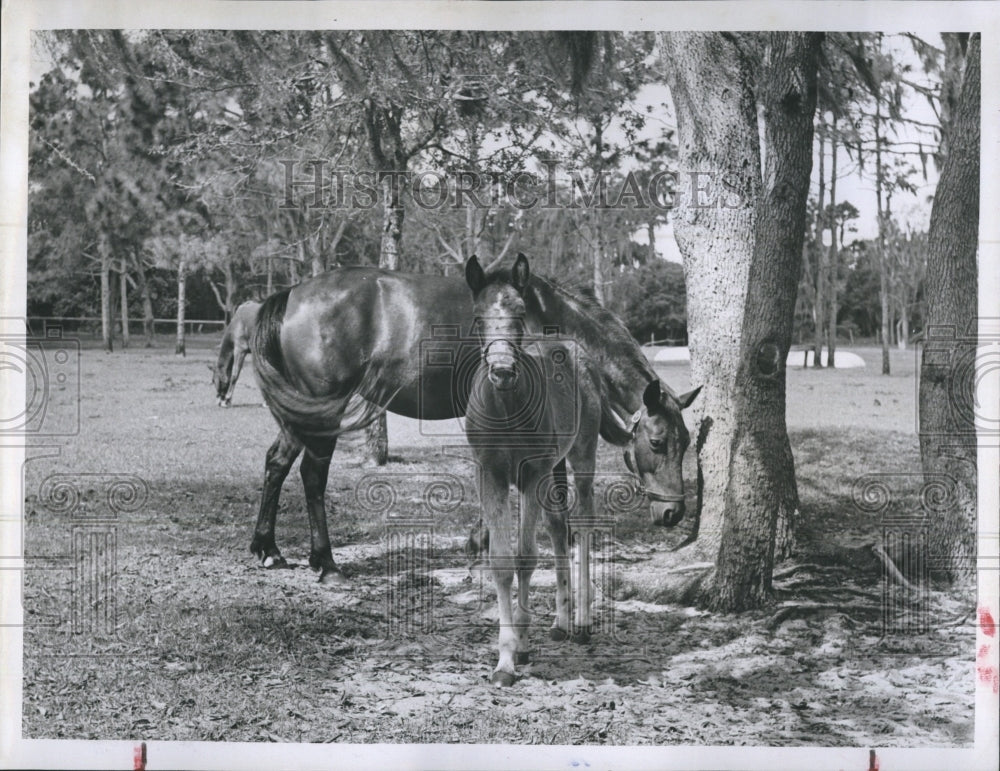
(501, 328)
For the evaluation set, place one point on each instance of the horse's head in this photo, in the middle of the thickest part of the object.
(656, 453)
(499, 311)
(220, 380)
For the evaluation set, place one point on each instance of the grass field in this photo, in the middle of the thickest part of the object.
(192, 640)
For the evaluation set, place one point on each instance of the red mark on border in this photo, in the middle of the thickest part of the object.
(986, 622)
(139, 758)
(872, 761)
(989, 675)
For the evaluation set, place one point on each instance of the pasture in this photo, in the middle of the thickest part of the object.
(203, 644)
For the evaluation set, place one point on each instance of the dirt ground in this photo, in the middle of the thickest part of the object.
(146, 616)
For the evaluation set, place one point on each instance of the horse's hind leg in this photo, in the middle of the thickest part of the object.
(280, 457)
(582, 458)
(555, 517)
(314, 469)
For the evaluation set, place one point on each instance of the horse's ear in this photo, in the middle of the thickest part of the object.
(686, 399)
(474, 275)
(651, 396)
(520, 273)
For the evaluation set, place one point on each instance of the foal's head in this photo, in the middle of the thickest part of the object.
(499, 310)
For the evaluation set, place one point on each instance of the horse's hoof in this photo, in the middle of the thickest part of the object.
(581, 636)
(557, 634)
(274, 563)
(502, 679)
(522, 657)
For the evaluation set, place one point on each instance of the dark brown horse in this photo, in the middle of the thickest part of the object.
(534, 403)
(233, 350)
(369, 333)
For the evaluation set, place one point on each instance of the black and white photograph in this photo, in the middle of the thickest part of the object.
(472, 385)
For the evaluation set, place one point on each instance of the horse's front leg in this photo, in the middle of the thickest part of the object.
(315, 469)
(237, 368)
(556, 513)
(531, 487)
(494, 493)
(583, 477)
(280, 457)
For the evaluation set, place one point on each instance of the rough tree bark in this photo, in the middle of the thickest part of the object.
(742, 259)
(947, 369)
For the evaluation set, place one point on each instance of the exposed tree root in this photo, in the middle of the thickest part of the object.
(891, 568)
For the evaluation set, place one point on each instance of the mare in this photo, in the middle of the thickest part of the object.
(381, 335)
(533, 405)
(233, 350)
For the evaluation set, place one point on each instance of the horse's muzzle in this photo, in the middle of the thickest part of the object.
(503, 378)
(666, 513)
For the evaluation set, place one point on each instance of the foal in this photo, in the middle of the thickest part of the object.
(233, 350)
(531, 408)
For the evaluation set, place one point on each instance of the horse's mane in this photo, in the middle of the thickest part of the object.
(598, 325)
(594, 325)
(604, 336)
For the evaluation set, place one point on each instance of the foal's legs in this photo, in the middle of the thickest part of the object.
(494, 492)
(531, 488)
(314, 470)
(237, 368)
(280, 457)
(555, 518)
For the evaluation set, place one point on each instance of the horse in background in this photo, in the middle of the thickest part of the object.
(533, 405)
(233, 350)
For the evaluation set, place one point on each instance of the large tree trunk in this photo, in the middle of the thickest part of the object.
(179, 349)
(947, 369)
(377, 436)
(740, 318)
(123, 286)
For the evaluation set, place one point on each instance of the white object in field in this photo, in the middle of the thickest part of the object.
(678, 354)
(841, 360)
(672, 353)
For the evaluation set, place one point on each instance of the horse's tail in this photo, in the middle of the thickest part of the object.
(302, 413)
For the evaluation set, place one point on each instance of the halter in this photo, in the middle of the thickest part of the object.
(640, 488)
(486, 348)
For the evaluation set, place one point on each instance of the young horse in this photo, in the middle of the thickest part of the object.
(369, 332)
(531, 408)
(234, 348)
